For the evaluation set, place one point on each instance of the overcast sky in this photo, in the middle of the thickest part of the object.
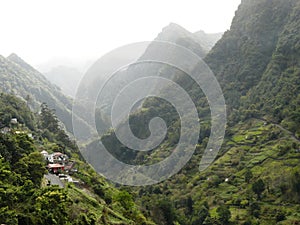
(40, 31)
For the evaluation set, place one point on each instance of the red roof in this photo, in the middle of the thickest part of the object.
(55, 166)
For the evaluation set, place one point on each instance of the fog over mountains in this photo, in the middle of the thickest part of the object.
(68, 76)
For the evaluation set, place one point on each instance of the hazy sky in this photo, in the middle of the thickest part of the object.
(40, 31)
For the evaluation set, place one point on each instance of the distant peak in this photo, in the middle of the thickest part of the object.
(174, 27)
(18, 60)
(14, 57)
(172, 32)
(200, 32)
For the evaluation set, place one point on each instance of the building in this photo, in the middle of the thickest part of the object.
(55, 168)
(58, 157)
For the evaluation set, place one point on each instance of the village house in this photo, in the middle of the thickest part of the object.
(55, 168)
(58, 157)
(57, 162)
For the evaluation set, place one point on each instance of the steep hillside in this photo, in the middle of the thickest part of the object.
(172, 33)
(96, 78)
(19, 78)
(255, 179)
(25, 196)
(241, 57)
(276, 97)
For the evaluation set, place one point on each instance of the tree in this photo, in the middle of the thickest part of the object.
(254, 209)
(36, 167)
(48, 119)
(258, 187)
(248, 176)
(295, 182)
(168, 211)
(163, 211)
(51, 205)
(209, 221)
(189, 204)
(125, 199)
(280, 216)
(202, 215)
(224, 214)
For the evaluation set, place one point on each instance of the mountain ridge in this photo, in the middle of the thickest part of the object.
(21, 79)
(257, 65)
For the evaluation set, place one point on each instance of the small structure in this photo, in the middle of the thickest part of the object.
(14, 121)
(55, 168)
(57, 157)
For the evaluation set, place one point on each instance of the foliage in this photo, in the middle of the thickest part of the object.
(224, 214)
(248, 175)
(258, 187)
(20, 79)
(25, 198)
(256, 172)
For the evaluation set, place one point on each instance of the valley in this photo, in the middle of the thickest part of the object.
(254, 178)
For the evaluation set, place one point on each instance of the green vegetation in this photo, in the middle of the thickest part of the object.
(246, 179)
(20, 79)
(26, 199)
(254, 179)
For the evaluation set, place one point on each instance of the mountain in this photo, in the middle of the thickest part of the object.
(276, 96)
(177, 34)
(26, 195)
(208, 40)
(67, 77)
(255, 178)
(106, 75)
(200, 41)
(241, 57)
(256, 62)
(19, 78)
